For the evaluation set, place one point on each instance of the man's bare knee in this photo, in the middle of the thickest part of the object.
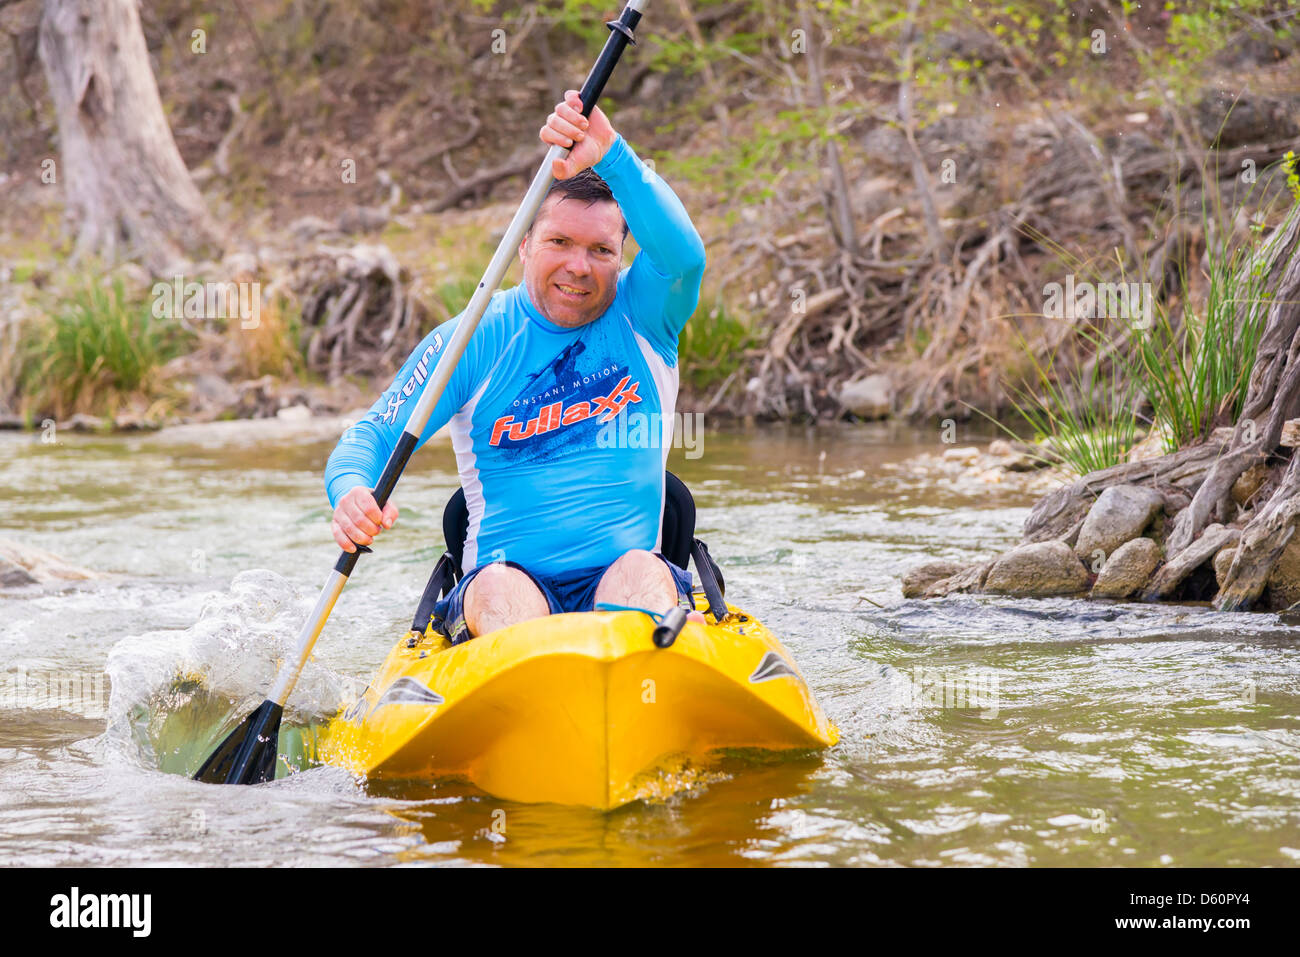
(499, 596)
(640, 579)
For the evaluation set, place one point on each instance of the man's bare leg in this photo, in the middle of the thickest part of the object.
(640, 579)
(499, 596)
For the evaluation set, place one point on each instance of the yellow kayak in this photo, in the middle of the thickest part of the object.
(576, 708)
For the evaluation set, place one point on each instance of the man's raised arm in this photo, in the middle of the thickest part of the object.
(664, 279)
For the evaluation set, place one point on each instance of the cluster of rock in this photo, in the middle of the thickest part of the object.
(1018, 466)
(1118, 554)
(213, 398)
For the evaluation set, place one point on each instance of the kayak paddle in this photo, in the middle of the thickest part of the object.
(248, 754)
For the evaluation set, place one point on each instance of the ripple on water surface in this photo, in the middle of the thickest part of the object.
(974, 731)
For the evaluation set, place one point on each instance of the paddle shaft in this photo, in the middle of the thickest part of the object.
(620, 36)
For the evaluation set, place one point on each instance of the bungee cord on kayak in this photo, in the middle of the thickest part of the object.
(655, 616)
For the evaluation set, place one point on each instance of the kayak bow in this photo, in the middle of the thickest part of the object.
(577, 708)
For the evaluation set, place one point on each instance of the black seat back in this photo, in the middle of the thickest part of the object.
(678, 530)
(678, 544)
(455, 528)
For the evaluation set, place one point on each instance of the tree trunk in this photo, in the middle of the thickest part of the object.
(1273, 397)
(842, 218)
(128, 193)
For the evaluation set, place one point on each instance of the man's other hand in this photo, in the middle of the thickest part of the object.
(357, 518)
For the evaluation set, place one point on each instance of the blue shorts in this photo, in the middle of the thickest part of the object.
(569, 591)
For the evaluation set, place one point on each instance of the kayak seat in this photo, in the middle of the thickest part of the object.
(678, 544)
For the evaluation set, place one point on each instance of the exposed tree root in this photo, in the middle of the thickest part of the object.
(358, 314)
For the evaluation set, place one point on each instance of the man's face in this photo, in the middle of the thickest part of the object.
(571, 259)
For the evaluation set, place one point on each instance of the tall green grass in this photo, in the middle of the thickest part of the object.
(96, 347)
(1085, 411)
(1191, 366)
(1194, 364)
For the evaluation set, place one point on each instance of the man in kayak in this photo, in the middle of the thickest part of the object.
(560, 516)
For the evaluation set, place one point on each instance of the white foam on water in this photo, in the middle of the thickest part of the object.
(175, 692)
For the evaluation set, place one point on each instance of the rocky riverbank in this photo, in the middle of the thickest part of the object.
(1119, 550)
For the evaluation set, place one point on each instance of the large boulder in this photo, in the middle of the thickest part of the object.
(969, 579)
(1222, 562)
(917, 580)
(871, 397)
(1120, 514)
(1127, 569)
(1248, 483)
(13, 575)
(1037, 569)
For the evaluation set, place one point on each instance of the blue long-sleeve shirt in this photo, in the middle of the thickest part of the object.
(561, 435)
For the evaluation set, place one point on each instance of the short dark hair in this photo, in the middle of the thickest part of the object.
(587, 186)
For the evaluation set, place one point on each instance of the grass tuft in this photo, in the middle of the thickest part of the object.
(1084, 410)
(97, 347)
(1195, 367)
(712, 346)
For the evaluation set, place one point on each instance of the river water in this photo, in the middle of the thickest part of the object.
(974, 730)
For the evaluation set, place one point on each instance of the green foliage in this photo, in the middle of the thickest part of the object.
(454, 294)
(1195, 369)
(744, 169)
(712, 346)
(666, 50)
(1084, 409)
(97, 347)
(1198, 30)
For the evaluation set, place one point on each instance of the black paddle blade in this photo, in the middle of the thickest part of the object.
(247, 756)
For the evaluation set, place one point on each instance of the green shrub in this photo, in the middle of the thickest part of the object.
(96, 347)
(712, 346)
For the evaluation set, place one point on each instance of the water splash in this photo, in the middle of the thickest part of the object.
(176, 694)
